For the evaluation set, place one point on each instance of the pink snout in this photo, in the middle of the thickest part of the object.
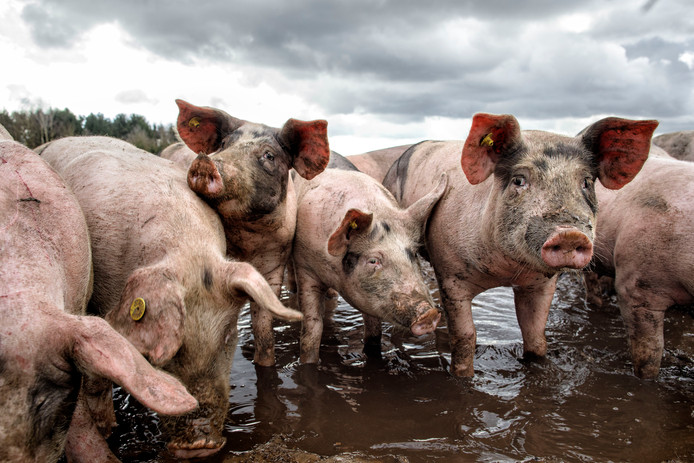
(426, 323)
(567, 248)
(204, 178)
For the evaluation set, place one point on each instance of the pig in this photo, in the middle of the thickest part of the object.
(161, 276)
(242, 171)
(352, 237)
(679, 145)
(645, 231)
(377, 163)
(520, 211)
(47, 342)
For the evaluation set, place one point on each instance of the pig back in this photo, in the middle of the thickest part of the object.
(45, 235)
(654, 209)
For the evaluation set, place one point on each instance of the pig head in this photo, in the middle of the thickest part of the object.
(47, 344)
(161, 276)
(242, 168)
(521, 210)
(352, 237)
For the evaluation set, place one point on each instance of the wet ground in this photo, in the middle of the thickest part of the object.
(579, 404)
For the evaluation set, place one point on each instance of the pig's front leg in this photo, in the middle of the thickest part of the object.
(457, 302)
(84, 441)
(261, 321)
(311, 295)
(532, 309)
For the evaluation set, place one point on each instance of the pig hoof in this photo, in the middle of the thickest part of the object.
(201, 448)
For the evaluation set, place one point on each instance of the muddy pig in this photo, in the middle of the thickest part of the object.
(645, 231)
(679, 145)
(47, 343)
(352, 236)
(242, 171)
(161, 276)
(521, 210)
(377, 163)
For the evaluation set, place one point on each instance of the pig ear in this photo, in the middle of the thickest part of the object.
(490, 138)
(307, 143)
(99, 349)
(243, 280)
(355, 222)
(203, 128)
(621, 147)
(419, 211)
(151, 314)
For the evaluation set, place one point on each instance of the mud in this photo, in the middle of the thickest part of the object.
(579, 404)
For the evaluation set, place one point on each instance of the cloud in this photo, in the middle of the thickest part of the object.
(409, 61)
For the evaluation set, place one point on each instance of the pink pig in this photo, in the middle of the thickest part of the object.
(161, 276)
(351, 236)
(47, 343)
(643, 241)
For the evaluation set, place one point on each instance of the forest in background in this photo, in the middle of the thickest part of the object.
(36, 127)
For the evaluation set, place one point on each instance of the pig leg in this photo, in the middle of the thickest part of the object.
(290, 282)
(263, 337)
(84, 441)
(372, 335)
(645, 330)
(457, 302)
(98, 394)
(311, 296)
(593, 291)
(532, 309)
(644, 314)
(261, 321)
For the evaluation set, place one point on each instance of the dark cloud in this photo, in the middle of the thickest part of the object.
(408, 59)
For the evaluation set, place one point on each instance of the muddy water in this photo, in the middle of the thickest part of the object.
(579, 404)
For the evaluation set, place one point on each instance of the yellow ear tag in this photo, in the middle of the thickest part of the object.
(194, 122)
(137, 309)
(353, 225)
(487, 140)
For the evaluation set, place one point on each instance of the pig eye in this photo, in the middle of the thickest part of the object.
(373, 261)
(269, 156)
(519, 181)
(587, 182)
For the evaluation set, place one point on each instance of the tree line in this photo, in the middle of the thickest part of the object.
(38, 126)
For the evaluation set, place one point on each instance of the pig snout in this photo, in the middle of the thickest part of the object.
(204, 177)
(201, 440)
(427, 321)
(567, 247)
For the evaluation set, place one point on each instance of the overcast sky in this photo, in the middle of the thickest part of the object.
(382, 72)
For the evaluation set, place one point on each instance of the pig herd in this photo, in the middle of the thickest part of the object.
(120, 266)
